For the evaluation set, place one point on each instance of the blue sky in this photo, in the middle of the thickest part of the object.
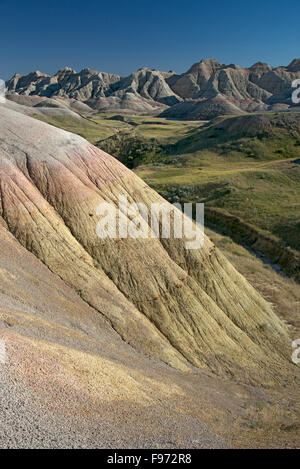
(121, 36)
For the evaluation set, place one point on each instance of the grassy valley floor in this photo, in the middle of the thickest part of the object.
(245, 169)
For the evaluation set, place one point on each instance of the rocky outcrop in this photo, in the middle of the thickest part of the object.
(254, 89)
(264, 244)
(148, 91)
(189, 84)
(202, 109)
(184, 307)
(116, 342)
(66, 83)
(234, 85)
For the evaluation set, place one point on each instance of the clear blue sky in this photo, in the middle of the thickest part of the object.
(121, 36)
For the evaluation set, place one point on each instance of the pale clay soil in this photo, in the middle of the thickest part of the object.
(126, 344)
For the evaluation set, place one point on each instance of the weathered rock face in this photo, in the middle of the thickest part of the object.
(144, 91)
(148, 91)
(294, 66)
(189, 84)
(184, 307)
(276, 81)
(202, 109)
(150, 84)
(258, 88)
(115, 342)
(66, 83)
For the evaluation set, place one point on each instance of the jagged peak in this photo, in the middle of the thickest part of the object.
(36, 73)
(206, 64)
(294, 66)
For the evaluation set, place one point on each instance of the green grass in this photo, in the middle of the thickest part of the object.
(242, 164)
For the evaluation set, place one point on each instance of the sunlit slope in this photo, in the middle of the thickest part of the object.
(183, 307)
(246, 170)
(69, 380)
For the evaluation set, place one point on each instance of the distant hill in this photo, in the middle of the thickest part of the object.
(208, 89)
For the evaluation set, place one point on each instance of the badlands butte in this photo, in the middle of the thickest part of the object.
(208, 89)
(134, 343)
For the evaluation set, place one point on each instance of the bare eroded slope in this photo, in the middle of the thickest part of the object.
(106, 331)
(178, 305)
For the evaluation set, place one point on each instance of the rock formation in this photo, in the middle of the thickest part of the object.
(191, 95)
